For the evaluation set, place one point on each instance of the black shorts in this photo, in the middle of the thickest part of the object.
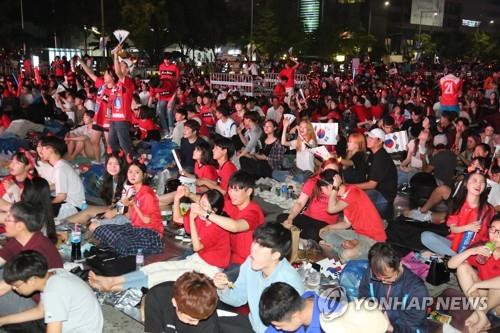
(99, 128)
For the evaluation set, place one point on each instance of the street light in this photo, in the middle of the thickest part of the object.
(386, 4)
(492, 21)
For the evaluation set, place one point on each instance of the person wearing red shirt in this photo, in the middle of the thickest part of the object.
(121, 102)
(144, 120)
(104, 85)
(451, 89)
(279, 90)
(289, 72)
(23, 227)
(161, 92)
(169, 70)
(211, 246)
(360, 214)
(207, 116)
(314, 198)
(145, 230)
(58, 68)
(481, 279)
(222, 151)
(362, 114)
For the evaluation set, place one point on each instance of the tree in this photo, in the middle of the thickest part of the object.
(425, 44)
(482, 46)
(266, 34)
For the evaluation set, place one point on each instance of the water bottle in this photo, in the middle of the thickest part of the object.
(139, 259)
(481, 260)
(466, 240)
(84, 205)
(76, 241)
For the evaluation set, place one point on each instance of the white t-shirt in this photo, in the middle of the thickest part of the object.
(273, 114)
(304, 158)
(494, 195)
(415, 161)
(226, 129)
(68, 299)
(46, 171)
(67, 181)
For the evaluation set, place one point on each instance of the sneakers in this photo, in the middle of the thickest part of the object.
(416, 214)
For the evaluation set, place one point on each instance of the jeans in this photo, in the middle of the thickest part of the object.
(378, 200)
(119, 136)
(282, 175)
(437, 244)
(404, 177)
(166, 116)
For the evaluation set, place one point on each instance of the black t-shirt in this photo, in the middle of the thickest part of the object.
(186, 153)
(444, 163)
(383, 171)
(414, 128)
(160, 315)
(356, 173)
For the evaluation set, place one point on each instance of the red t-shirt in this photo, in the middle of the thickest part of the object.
(467, 215)
(3, 190)
(361, 112)
(216, 242)
(225, 172)
(362, 214)
(280, 92)
(103, 111)
(39, 243)
(317, 207)
(147, 202)
(207, 116)
(242, 241)
(205, 172)
(450, 88)
(377, 111)
(489, 270)
(170, 71)
(145, 126)
(165, 90)
(122, 100)
(289, 73)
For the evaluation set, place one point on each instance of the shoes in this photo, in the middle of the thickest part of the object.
(416, 214)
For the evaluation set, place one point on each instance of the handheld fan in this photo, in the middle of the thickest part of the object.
(121, 35)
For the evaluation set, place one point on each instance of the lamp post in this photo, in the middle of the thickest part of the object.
(22, 26)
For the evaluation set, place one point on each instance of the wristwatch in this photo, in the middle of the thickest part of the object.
(336, 188)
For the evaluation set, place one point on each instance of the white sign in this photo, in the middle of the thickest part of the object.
(427, 12)
(326, 133)
(395, 142)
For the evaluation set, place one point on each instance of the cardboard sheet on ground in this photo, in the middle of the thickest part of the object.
(326, 133)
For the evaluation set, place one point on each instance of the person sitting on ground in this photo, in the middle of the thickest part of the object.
(69, 190)
(354, 164)
(381, 186)
(266, 264)
(67, 303)
(178, 132)
(142, 228)
(469, 211)
(115, 176)
(284, 310)
(314, 217)
(417, 158)
(251, 136)
(210, 244)
(477, 278)
(385, 278)
(78, 140)
(360, 214)
(269, 157)
(225, 125)
(186, 305)
(223, 150)
(188, 144)
(23, 227)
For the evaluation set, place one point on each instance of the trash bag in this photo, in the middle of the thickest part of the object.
(92, 182)
(161, 155)
(10, 144)
(351, 276)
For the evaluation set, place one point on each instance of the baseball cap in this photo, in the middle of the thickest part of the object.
(377, 133)
(440, 139)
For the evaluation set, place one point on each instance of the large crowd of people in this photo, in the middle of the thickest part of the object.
(449, 164)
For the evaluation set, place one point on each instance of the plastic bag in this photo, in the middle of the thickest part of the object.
(351, 276)
(161, 155)
(92, 181)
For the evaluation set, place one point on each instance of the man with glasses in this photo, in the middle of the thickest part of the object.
(398, 290)
(22, 227)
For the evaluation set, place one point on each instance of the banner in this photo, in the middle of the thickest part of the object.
(427, 12)
(326, 133)
(396, 142)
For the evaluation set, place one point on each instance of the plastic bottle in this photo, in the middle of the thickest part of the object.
(466, 240)
(481, 260)
(84, 205)
(76, 241)
(139, 259)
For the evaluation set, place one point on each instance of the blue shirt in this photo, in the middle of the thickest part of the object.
(250, 285)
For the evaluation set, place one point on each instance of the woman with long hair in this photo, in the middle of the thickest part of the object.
(417, 158)
(354, 164)
(304, 159)
(468, 212)
(37, 192)
(114, 178)
(21, 168)
(310, 210)
(269, 157)
(211, 247)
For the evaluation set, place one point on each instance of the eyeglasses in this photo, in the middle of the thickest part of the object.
(384, 280)
(494, 231)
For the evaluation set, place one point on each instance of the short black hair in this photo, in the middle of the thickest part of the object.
(485, 147)
(24, 266)
(464, 120)
(242, 179)
(89, 113)
(193, 124)
(382, 255)
(225, 143)
(182, 111)
(206, 152)
(57, 144)
(28, 214)
(388, 121)
(275, 237)
(279, 302)
(253, 116)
